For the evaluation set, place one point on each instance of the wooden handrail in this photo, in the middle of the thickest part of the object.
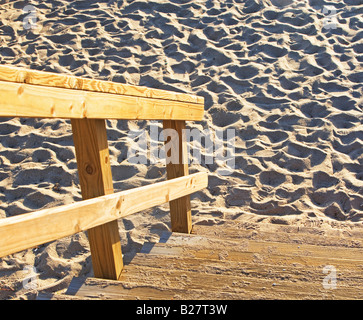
(51, 79)
(88, 102)
(31, 229)
(27, 100)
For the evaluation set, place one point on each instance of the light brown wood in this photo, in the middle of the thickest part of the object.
(36, 94)
(51, 79)
(252, 281)
(278, 233)
(31, 229)
(265, 253)
(95, 177)
(35, 101)
(177, 166)
(158, 276)
(105, 289)
(249, 266)
(211, 246)
(189, 266)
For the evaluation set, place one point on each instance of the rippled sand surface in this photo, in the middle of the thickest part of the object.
(285, 75)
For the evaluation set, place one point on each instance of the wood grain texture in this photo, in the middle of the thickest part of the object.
(256, 279)
(31, 229)
(278, 233)
(266, 252)
(27, 100)
(180, 209)
(50, 79)
(95, 177)
(217, 266)
(183, 276)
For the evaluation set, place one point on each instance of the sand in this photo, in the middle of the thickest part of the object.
(285, 75)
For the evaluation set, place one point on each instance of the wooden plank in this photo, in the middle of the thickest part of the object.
(158, 277)
(195, 244)
(204, 267)
(51, 79)
(268, 280)
(211, 256)
(277, 269)
(106, 289)
(264, 234)
(177, 166)
(31, 229)
(27, 100)
(217, 250)
(265, 254)
(221, 280)
(247, 268)
(95, 177)
(316, 227)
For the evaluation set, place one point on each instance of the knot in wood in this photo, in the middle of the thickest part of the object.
(89, 169)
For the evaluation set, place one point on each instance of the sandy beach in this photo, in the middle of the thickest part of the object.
(286, 76)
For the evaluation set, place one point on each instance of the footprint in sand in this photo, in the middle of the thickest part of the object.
(272, 178)
(282, 3)
(323, 180)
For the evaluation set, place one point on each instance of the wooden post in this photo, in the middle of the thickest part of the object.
(177, 166)
(94, 170)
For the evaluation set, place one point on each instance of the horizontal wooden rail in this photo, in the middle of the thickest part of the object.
(31, 229)
(51, 79)
(88, 102)
(28, 100)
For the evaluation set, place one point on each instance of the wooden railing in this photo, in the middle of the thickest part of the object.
(88, 102)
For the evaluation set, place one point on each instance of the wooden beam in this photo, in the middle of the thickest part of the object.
(31, 229)
(95, 177)
(51, 79)
(28, 100)
(177, 166)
